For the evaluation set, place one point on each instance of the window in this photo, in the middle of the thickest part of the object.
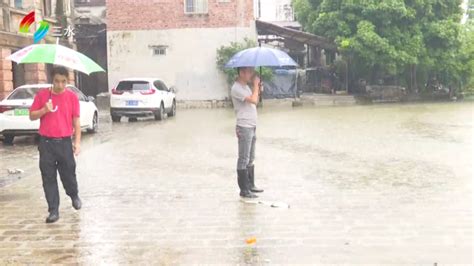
(159, 49)
(47, 8)
(133, 86)
(160, 85)
(195, 6)
(24, 94)
(18, 71)
(164, 86)
(18, 3)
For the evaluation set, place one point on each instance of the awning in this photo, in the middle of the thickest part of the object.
(266, 28)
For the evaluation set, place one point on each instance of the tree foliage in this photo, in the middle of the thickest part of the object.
(388, 37)
(466, 57)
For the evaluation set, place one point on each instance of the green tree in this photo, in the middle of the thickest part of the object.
(389, 37)
(466, 57)
(224, 53)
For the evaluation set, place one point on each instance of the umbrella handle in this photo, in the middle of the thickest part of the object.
(51, 100)
(55, 108)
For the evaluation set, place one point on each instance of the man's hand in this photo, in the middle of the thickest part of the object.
(48, 107)
(76, 148)
(254, 98)
(77, 135)
(257, 83)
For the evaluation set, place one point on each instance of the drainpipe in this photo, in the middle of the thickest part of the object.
(260, 70)
(347, 76)
(296, 82)
(259, 9)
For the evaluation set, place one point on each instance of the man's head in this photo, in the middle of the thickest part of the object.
(246, 73)
(60, 77)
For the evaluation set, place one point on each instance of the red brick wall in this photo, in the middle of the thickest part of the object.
(6, 76)
(169, 14)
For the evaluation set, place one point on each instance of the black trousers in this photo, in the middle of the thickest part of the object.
(56, 155)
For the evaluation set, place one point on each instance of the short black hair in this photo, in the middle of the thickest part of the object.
(59, 70)
(240, 69)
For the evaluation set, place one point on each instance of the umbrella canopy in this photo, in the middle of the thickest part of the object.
(259, 57)
(56, 54)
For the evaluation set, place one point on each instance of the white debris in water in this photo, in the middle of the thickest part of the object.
(273, 204)
(15, 171)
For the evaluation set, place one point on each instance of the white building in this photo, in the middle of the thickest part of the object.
(465, 6)
(275, 10)
(176, 41)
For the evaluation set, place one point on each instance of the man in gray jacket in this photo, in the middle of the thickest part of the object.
(245, 102)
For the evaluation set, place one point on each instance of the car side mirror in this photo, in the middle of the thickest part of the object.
(90, 99)
(173, 89)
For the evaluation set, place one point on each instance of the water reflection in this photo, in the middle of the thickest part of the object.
(248, 224)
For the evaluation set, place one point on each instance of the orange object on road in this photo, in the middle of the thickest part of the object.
(251, 240)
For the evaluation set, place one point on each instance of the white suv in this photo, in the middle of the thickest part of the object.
(139, 97)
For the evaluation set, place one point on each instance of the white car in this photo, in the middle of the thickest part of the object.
(139, 97)
(14, 112)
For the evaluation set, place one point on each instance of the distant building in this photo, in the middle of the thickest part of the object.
(468, 7)
(90, 10)
(275, 10)
(56, 12)
(91, 40)
(176, 40)
(280, 13)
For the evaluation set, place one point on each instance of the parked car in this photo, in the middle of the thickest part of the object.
(141, 97)
(14, 112)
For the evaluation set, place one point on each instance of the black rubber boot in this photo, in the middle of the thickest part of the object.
(52, 218)
(76, 202)
(244, 184)
(253, 188)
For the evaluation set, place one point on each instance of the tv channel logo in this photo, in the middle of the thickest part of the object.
(42, 30)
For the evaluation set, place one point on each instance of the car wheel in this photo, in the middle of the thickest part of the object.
(132, 119)
(8, 139)
(160, 115)
(116, 118)
(95, 124)
(173, 109)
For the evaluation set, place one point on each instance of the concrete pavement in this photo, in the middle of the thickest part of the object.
(367, 185)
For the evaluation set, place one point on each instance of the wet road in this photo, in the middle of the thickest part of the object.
(385, 184)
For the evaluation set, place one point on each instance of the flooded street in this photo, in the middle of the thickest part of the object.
(381, 184)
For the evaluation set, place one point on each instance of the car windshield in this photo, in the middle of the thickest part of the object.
(23, 94)
(133, 86)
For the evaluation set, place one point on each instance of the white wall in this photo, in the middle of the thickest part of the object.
(190, 62)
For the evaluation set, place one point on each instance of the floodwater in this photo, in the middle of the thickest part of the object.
(378, 184)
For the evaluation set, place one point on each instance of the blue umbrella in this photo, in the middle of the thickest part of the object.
(260, 56)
